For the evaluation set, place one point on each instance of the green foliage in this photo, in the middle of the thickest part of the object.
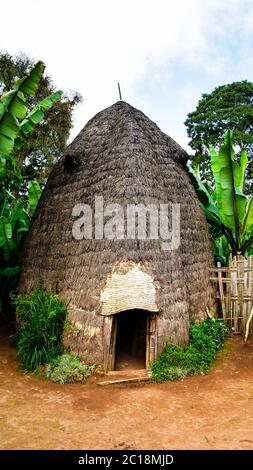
(10, 175)
(41, 315)
(207, 337)
(67, 369)
(17, 120)
(14, 221)
(15, 218)
(174, 362)
(221, 250)
(227, 107)
(45, 144)
(227, 208)
(34, 193)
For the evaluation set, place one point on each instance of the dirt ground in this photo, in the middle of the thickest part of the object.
(205, 412)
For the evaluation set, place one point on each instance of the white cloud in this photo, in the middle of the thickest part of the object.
(90, 45)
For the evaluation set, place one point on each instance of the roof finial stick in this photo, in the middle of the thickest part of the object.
(120, 97)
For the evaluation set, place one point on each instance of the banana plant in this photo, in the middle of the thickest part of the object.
(17, 121)
(228, 210)
(14, 222)
(15, 219)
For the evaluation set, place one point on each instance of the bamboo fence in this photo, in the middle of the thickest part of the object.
(235, 293)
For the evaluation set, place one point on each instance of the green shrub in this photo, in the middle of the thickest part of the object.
(207, 337)
(41, 316)
(174, 362)
(67, 369)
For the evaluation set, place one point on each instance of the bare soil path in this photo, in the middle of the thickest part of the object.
(205, 412)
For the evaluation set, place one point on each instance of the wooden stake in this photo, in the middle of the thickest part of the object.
(120, 96)
(223, 307)
(247, 325)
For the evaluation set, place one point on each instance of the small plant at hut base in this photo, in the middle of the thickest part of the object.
(174, 362)
(68, 369)
(41, 315)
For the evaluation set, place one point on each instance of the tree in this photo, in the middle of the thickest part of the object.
(47, 142)
(227, 107)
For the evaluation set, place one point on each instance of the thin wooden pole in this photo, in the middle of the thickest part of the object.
(234, 293)
(120, 96)
(229, 301)
(247, 326)
(235, 284)
(222, 298)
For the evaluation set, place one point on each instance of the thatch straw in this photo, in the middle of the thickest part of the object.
(123, 156)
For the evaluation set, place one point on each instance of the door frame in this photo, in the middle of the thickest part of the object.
(151, 339)
(110, 334)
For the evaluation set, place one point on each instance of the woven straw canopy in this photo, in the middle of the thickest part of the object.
(122, 156)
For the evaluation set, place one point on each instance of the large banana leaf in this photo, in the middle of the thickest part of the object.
(19, 220)
(36, 116)
(5, 209)
(14, 221)
(2, 164)
(211, 210)
(239, 171)
(208, 205)
(221, 250)
(29, 84)
(6, 243)
(229, 183)
(5, 231)
(216, 173)
(10, 271)
(13, 107)
(247, 228)
(34, 193)
(227, 210)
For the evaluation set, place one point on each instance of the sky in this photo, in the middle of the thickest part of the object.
(164, 53)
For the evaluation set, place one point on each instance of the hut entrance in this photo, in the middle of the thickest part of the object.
(132, 343)
(130, 348)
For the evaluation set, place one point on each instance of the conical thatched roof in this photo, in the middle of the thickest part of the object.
(124, 157)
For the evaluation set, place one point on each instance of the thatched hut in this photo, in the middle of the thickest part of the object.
(127, 295)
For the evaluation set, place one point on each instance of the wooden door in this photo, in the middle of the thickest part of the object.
(110, 333)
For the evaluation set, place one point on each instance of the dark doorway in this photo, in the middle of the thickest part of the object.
(131, 330)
